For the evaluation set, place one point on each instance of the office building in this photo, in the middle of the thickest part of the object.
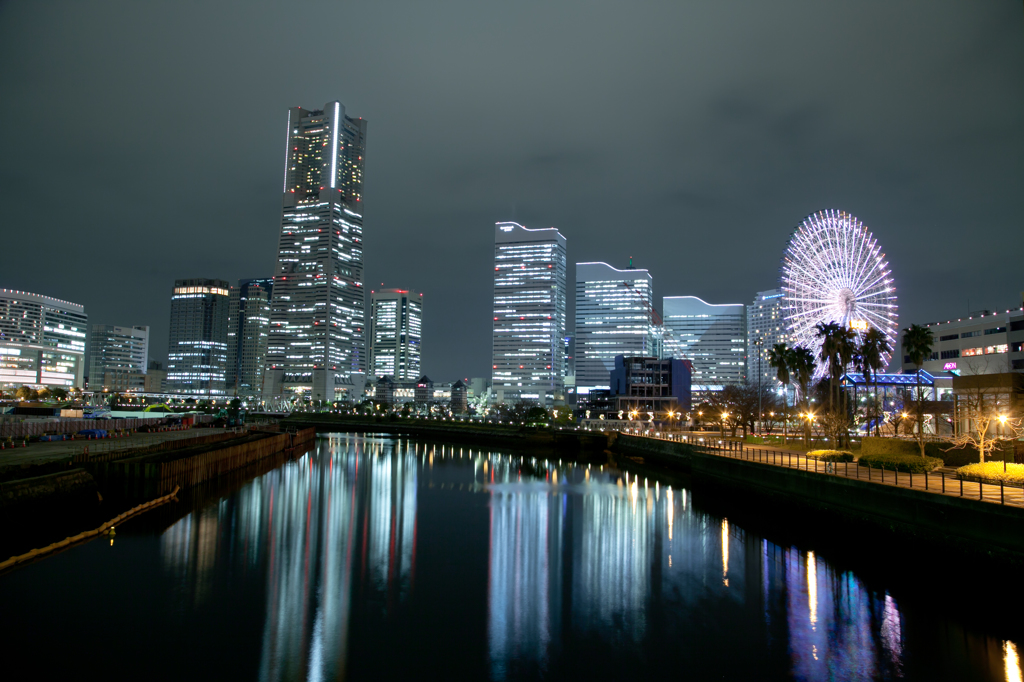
(120, 352)
(613, 317)
(248, 333)
(197, 354)
(396, 321)
(713, 337)
(527, 343)
(42, 341)
(317, 345)
(983, 342)
(766, 326)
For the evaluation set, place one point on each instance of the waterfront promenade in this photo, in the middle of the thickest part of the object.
(942, 482)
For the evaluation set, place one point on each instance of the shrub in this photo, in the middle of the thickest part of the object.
(914, 464)
(831, 455)
(992, 472)
(897, 446)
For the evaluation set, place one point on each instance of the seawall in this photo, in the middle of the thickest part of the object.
(970, 525)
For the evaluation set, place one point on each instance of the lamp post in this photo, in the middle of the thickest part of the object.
(758, 344)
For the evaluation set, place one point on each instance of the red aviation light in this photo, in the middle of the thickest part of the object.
(495, 319)
(494, 367)
(520, 366)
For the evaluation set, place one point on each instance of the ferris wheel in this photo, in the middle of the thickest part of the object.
(833, 270)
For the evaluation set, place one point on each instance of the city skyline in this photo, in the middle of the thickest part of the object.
(729, 151)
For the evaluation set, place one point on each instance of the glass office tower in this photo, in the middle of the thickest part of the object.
(197, 356)
(396, 322)
(711, 336)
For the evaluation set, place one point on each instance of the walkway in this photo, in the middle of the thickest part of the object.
(939, 483)
(41, 453)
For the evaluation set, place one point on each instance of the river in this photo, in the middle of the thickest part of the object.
(378, 558)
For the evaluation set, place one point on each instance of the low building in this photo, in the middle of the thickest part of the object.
(459, 403)
(983, 342)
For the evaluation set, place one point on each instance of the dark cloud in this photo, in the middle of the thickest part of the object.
(141, 142)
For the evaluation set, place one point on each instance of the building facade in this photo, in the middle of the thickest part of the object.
(983, 342)
(197, 354)
(317, 343)
(396, 323)
(119, 352)
(248, 334)
(42, 341)
(713, 337)
(528, 332)
(613, 317)
(766, 327)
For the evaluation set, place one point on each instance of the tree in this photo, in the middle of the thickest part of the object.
(917, 345)
(801, 363)
(780, 356)
(26, 393)
(986, 404)
(871, 355)
(59, 393)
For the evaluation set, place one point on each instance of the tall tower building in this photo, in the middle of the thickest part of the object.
(711, 336)
(528, 333)
(117, 353)
(197, 355)
(248, 331)
(42, 340)
(317, 345)
(396, 321)
(613, 317)
(766, 326)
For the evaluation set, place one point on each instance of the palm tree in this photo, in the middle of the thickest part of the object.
(917, 345)
(801, 363)
(873, 348)
(779, 358)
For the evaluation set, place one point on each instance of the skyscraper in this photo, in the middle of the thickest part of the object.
(317, 341)
(613, 317)
(248, 330)
(766, 326)
(118, 357)
(396, 320)
(527, 342)
(42, 340)
(197, 355)
(711, 336)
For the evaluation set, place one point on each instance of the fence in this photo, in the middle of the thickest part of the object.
(20, 427)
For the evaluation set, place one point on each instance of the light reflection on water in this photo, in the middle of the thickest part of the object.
(574, 553)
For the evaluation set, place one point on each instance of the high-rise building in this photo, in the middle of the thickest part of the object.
(118, 357)
(248, 331)
(613, 317)
(197, 355)
(766, 326)
(42, 340)
(396, 321)
(713, 337)
(317, 343)
(527, 342)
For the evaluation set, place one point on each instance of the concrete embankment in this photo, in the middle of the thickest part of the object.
(22, 498)
(970, 525)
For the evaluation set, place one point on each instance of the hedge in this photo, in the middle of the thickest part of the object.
(914, 464)
(992, 472)
(831, 455)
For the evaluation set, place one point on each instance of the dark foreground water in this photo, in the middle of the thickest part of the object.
(376, 558)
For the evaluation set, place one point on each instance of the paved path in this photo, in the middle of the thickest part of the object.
(939, 482)
(41, 453)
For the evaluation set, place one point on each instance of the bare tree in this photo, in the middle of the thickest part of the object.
(986, 407)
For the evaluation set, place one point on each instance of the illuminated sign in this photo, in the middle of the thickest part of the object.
(859, 325)
(201, 290)
(507, 228)
(949, 366)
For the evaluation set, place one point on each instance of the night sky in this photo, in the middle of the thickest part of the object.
(143, 142)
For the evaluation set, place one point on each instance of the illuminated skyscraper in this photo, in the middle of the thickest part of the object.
(396, 319)
(248, 332)
(711, 336)
(527, 343)
(317, 343)
(613, 317)
(197, 355)
(118, 357)
(42, 340)
(766, 326)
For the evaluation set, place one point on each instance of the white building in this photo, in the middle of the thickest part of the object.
(765, 327)
(613, 317)
(118, 357)
(317, 343)
(527, 342)
(42, 340)
(983, 342)
(396, 329)
(711, 336)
